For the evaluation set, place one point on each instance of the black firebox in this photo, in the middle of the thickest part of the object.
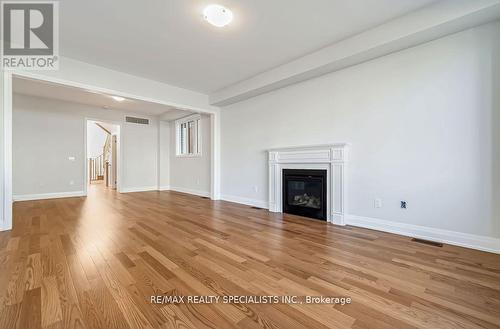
(304, 192)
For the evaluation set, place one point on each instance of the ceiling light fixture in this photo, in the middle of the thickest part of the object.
(217, 15)
(118, 98)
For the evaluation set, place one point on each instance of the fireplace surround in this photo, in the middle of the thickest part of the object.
(331, 158)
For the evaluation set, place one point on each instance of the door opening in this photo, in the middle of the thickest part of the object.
(102, 161)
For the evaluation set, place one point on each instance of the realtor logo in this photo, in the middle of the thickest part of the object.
(30, 35)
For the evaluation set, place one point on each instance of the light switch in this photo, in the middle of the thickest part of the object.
(71, 158)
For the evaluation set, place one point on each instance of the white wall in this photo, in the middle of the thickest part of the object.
(423, 124)
(46, 132)
(191, 174)
(96, 138)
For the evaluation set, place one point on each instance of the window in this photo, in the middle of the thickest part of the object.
(188, 136)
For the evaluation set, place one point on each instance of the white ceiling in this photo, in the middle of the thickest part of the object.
(81, 96)
(168, 41)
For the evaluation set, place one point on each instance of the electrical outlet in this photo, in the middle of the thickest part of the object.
(377, 203)
(71, 182)
(404, 204)
(256, 189)
(198, 182)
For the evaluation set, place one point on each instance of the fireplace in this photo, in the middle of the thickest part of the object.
(330, 158)
(304, 192)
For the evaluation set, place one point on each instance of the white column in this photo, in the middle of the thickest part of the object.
(273, 168)
(6, 151)
(215, 127)
(337, 175)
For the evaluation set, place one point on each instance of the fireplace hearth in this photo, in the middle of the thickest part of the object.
(304, 192)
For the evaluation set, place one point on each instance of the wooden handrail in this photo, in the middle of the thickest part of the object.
(100, 126)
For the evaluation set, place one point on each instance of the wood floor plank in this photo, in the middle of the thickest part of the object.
(10, 316)
(175, 317)
(31, 313)
(51, 306)
(134, 317)
(96, 262)
(33, 273)
(99, 309)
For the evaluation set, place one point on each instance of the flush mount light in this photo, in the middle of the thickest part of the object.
(217, 15)
(118, 98)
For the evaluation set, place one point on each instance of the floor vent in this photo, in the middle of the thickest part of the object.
(430, 243)
(256, 208)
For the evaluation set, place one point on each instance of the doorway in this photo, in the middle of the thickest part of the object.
(102, 154)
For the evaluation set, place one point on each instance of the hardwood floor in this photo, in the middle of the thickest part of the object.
(95, 263)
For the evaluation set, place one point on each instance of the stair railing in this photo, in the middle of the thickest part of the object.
(96, 168)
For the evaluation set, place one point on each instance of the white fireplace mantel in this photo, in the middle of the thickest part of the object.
(331, 157)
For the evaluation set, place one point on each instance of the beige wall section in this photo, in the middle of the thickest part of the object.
(191, 174)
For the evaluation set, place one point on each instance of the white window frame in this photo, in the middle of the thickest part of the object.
(197, 136)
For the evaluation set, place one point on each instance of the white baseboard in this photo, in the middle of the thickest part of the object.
(190, 191)
(466, 240)
(138, 189)
(165, 188)
(43, 196)
(472, 241)
(246, 201)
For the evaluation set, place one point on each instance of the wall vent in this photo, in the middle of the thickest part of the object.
(140, 121)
